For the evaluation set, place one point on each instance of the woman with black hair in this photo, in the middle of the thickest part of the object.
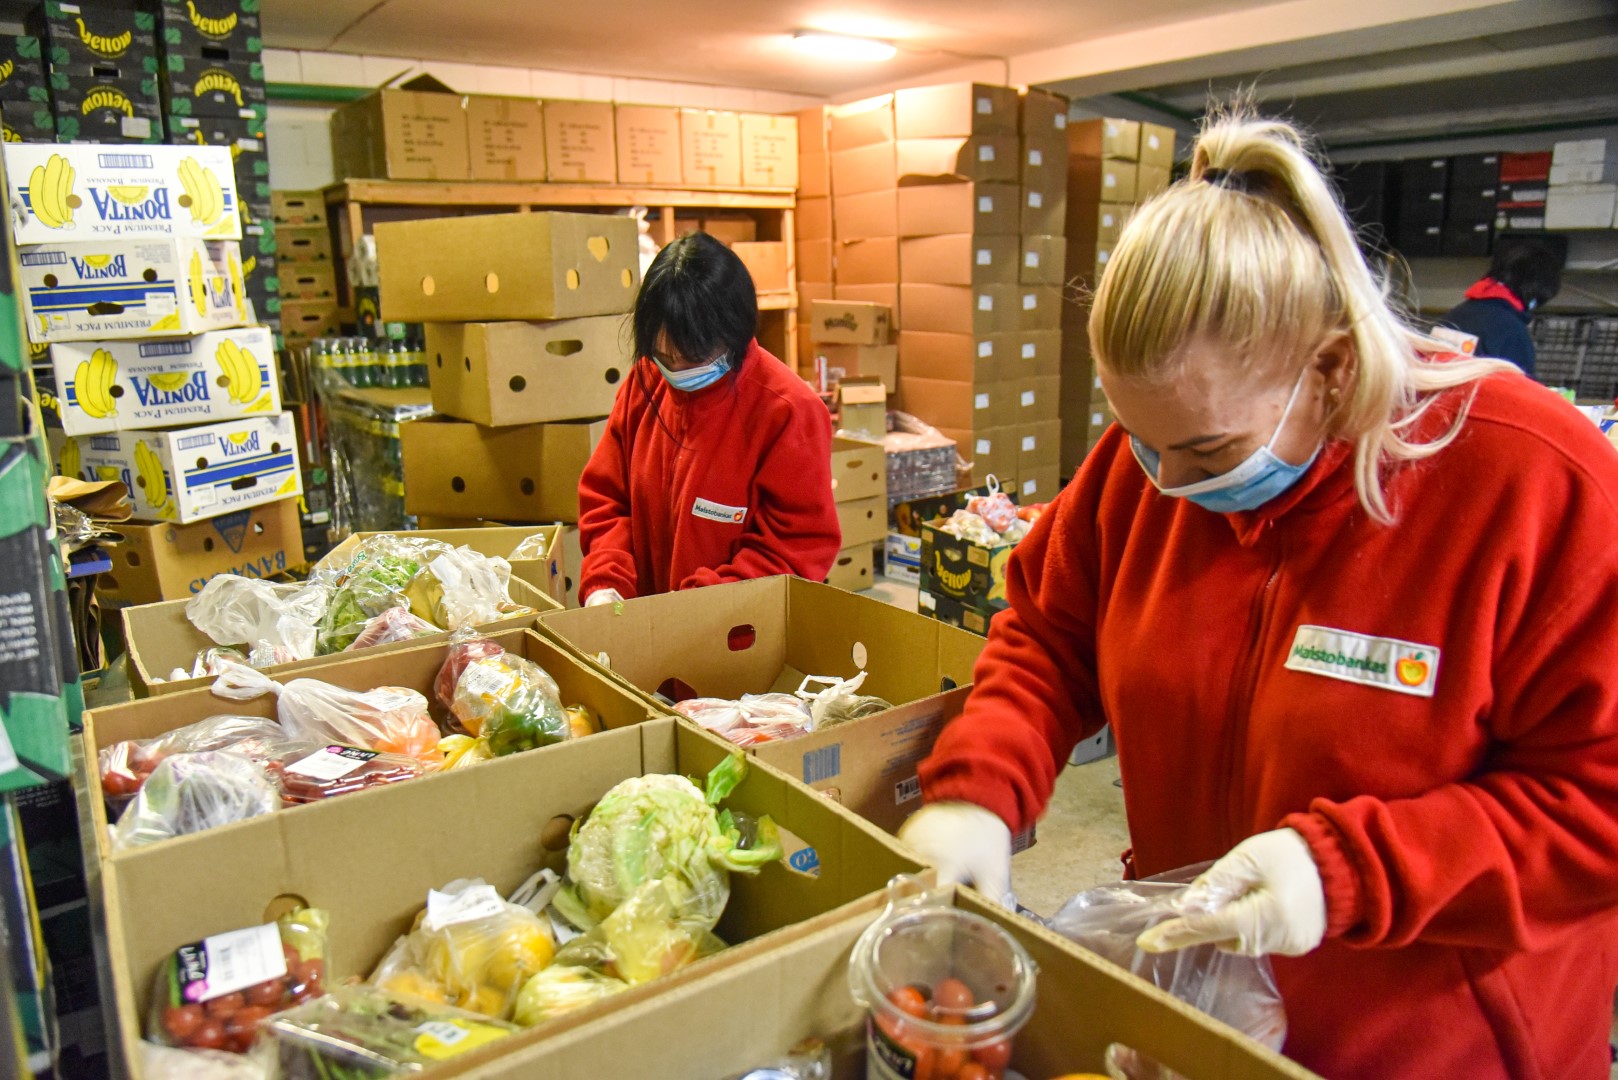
(1498, 307)
(716, 462)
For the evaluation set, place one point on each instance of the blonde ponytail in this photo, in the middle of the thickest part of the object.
(1254, 255)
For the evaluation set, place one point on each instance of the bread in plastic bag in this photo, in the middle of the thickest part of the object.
(1238, 990)
(191, 793)
(125, 765)
(362, 1031)
(469, 948)
(282, 619)
(506, 700)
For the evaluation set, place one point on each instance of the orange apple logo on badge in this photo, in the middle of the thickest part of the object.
(1412, 669)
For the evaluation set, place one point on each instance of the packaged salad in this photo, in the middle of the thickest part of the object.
(362, 1031)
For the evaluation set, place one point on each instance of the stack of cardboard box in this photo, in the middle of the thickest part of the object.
(1113, 165)
(859, 484)
(1523, 191)
(306, 271)
(25, 103)
(526, 348)
(102, 62)
(854, 348)
(813, 232)
(155, 377)
(1583, 188)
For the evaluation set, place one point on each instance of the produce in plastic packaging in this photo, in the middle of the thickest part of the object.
(180, 1063)
(337, 770)
(126, 765)
(275, 621)
(561, 989)
(655, 932)
(581, 721)
(463, 751)
(809, 1060)
(374, 581)
(361, 1031)
(532, 547)
(505, 699)
(467, 588)
(209, 660)
(470, 948)
(394, 624)
(751, 719)
(995, 508)
(391, 719)
(216, 994)
(190, 793)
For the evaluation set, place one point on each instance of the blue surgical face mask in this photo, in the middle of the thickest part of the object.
(697, 378)
(1248, 486)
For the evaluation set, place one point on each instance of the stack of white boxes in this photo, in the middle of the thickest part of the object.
(131, 272)
(1583, 190)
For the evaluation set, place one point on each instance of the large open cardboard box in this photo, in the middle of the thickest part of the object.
(756, 636)
(544, 571)
(369, 861)
(800, 990)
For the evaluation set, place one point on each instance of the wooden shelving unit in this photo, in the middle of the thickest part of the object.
(355, 202)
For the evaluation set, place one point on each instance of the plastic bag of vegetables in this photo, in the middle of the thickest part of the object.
(469, 948)
(190, 793)
(391, 719)
(378, 578)
(275, 621)
(655, 932)
(361, 1031)
(563, 988)
(394, 624)
(126, 765)
(506, 700)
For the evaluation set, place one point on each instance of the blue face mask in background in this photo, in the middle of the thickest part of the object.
(1248, 486)
(697, 378)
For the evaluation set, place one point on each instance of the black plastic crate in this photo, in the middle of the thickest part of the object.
(1421, 208)
(1474, 169)
(1424, 175)
(1558, 340)
(1416, 241)
(1466, 238)
(1598, 369)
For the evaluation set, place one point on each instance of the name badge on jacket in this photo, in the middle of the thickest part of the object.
(709, 510)
(1386, 663)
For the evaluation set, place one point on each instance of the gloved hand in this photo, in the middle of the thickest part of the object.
(603, 596)
(1264, 897)
(968, 844)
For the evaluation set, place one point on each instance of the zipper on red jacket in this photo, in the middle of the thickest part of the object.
(1244, 689)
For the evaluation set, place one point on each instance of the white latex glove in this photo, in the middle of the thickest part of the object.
(968, 844)
(603, 596)
(1264, 897)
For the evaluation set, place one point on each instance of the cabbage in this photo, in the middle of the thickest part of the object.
(560, 989)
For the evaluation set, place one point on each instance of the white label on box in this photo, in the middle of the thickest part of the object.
(984, 447)
(985, 106)
(331, 763)
(1030, 301)
(1152, 141)
(985, 349)
(448, 909)
(8, 756)
(1028, 350)
(1109, 180)
(160, 303)
(985, 257)
(985, 153)
(230, 962)
(1029, 487)
(1096, 419)
(1061, 121)
(981, 401)
(1028, 442)
(985, 302)
(250, 144)
(136, 127)
(985, 204)
(1036, 200)
(1031, 260)
(1027, 398)
(1036, 158)
(1106, 221)
(926, 600)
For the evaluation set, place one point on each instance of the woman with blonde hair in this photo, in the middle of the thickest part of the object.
(1351, 608)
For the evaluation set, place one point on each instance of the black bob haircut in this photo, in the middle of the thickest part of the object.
(698, 293)
(1529, 266)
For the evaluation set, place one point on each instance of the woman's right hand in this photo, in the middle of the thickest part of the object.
(968, 844)
(603, 596)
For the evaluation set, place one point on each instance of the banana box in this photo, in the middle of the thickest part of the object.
(24, 121)
(204, 86)
(132, 289)
(104, 386)
(193, 473)
(86, 192)
(210, 27)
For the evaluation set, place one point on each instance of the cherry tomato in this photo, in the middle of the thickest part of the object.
(953, 997)
(892, 1027)
(995, 1057)
(292, 957)
(210, 1035)
(310, 974)
(926, 1060)
(181, 1020)
(248, 1020)
(908, 1000)
(120, 783)
(272, 992)
(951, 1058)
(972, 1071)
(224, 1005)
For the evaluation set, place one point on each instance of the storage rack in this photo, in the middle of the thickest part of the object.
(1580, 354)
(354, 202)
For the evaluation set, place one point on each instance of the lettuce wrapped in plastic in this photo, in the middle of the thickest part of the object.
(654, 933)
(563, 988)
(375, 580)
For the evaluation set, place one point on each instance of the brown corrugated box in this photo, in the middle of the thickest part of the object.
(401, 135)
(869, 261)
(864, 169)
(854, 568)
(1157, 145)
(1097, 180)
(988, 158)
(814, 176)
(959, 259)
(1039, 307)
(937, 209)
(1044, 261)
(875, 213)
(710, 148)
(861, 123)
(1043, 113)
(960, 309)
(580, 142)
(504, 373)
(1104, 138)
(529, 472)
(648, 138)
(841, 322)
(955, 357)
(1039, 352)
(955, 109)
(859, 470)
(769, 151)
(505, 138)
(151, 563)
(882, 295)
(960, 406)
(766, 262)
(813, 219)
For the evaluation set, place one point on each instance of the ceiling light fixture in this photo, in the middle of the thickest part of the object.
(842, 46)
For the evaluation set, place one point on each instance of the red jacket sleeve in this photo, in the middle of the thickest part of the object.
(794, 527)
(605, 529)
(1035, 692)
(1524, 849)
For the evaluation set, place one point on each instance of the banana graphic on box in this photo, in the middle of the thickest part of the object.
(150, 477)
(50, 193)
(242, 374)
(72, 463)
(204, 194)
(199, 287)
(168, 381)
(93, 380)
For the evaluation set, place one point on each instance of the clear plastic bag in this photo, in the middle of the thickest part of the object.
(380, 576)
(391, 719)
(177, 1063)
(995, 508)
(211, 659)
(657, 930)
(561, 989)
(751, 719)
(1238, 990)
(463, 751)
(394, 624)
(469, 948)
(809, 1060)
(279, 620)
(506, 700)
(839, 702)
(190, 793)
(312, 774)
(125, 765)
(536, 546)
(472, 588)
(361, 1031)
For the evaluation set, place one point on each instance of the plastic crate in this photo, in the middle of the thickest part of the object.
(1598, 369)
(1558, 343)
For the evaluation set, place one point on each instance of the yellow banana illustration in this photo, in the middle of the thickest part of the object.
(81, 388)
(288, 486)
(50, 193)
(203, 190)
(263, 404)
(108, 473)
(241, 371)
(93, 380)
(238, 289)
(71, 463)
(168, 381)
(149, 472)
(199, 289)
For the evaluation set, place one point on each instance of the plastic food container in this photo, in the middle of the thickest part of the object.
(946, 992)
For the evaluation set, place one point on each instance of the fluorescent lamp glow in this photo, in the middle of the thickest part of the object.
(842, 46)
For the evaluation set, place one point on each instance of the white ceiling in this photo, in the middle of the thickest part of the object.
(724, 42)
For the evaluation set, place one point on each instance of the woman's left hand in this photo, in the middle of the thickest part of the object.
(1264, 897)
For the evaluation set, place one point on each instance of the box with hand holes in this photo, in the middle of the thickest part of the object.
(754, 637)
(499, 374)
(526, 472)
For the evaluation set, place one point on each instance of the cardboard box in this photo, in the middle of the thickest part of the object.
(814, 130)
(152, 563)
(402, 135)
(305, 320)
(813, 219)
(940, 209)
(1583, 151)
(1044, 261)
(874, 361)
(960, 309)
(580, 142)
(955, 109)
(863, 521)
(864, 169)
(886, 296)
(649, 145)
(1098, 225)
(958, 259)
(870, 261)
(1592, 172)
(808, 293)
(1151, 180)
(769, 151)
(861, 123)
(1037, 401)
(158, 286)
(953, 612)
(544, 570)
(858, 470)
(1039, 307)
(303, 243)
(1580, 206)
(814, 261)
(1039, 483)
(163, 191)
(211, 26)
(27, 121)
(1038, 445)
(710, 148)
(985, 158)
(958, 406)
(505, 138)
(1038, 352)
(506, 373)
(797, 628)
(1106, 138)
(106, 103)
(992, 453)
(298, 207)
(1043, 162)
(875, 213)
(198, 472)
(814, 176)
(862, 406)
(498, 267)
(766, 261)
(854, 570)
(112, 30)
(960, 570)
(1093, 180)
(209, 85)
(1043, 113)
(104, 386)
(309, 281)
(955, 357)
(529, 472)
(840, 322)
(901, 558)
(1157, 145)
(22, 68)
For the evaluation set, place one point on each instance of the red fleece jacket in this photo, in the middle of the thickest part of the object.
(728, 483)
(1467, 840)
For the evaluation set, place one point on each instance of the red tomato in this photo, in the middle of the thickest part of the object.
(951, 1058)
(953, 997)
(972, 1071)
(309, 975)
(292, 958)
(247, 1020)
(210, 1035)
(995, 1057)
(120, 783)
(224, 1005)
(272, 992)
(926, 1060)
(908, 1000)
(181, 1020)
